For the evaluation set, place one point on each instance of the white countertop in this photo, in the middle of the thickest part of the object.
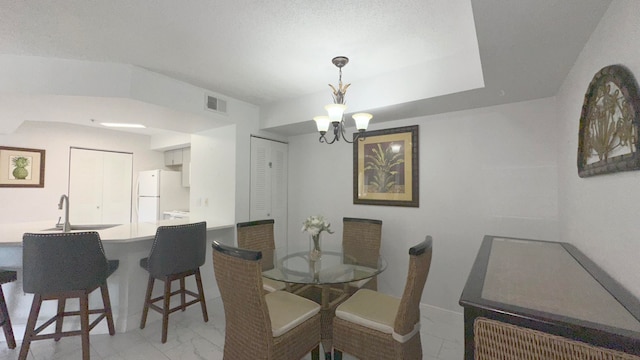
(11, 234)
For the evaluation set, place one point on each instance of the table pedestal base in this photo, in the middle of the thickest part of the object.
(329, 298)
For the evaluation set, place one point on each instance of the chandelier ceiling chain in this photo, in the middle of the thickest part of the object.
(337, 109)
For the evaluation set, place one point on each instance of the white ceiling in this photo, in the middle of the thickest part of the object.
(265, 52)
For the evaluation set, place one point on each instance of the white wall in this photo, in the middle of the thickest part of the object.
(600, 214)
(484, 171)
(34, 204)
(213, 163)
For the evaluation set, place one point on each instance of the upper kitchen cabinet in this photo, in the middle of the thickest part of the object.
(173, 157)
(100, 187)
(181, 158)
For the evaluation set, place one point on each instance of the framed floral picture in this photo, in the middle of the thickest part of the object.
(21, 167)
(385, 167)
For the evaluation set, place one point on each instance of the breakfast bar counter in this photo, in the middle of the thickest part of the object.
(127, 243)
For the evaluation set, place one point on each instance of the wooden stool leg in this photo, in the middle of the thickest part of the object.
(183, 293)
(205, 315)
(147, 299)
(84, 325)
(166, 308)
(60, 318)
(104, 289)
(6, 322)
(29, 332)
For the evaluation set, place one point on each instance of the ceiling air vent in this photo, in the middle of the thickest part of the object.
(215, 104)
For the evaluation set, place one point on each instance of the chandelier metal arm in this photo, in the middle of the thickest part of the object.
(342, 133)
(339, 132)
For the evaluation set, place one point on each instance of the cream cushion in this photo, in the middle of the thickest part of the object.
(375, 311)
(272, 285)
(287, 311)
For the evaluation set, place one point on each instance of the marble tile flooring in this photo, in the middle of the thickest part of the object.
(192, 339)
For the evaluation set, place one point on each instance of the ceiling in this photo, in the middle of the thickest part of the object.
(278, 51)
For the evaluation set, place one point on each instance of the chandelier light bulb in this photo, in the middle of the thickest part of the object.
(335, 111)
(362, 120)
(322, 123)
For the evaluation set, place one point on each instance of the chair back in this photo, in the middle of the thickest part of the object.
(419, 263)
(238, 272)
(258, 236)
(63, 262)
(178, 248)
(361, 240)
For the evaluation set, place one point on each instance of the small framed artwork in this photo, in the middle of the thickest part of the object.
(385, 167)
(608, 140)
(21, 167)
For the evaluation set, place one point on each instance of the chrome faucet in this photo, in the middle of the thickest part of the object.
(66, 227)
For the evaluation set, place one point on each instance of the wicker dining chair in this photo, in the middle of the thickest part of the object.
(63, 266)
(177, 252)
(276, 325)
(259, 236)
(372, 325)
(361, 240)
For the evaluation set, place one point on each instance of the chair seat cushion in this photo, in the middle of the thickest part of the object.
(287, 311)
(7, 276)
(370, 309)
(272, 285)
(112, 266)
(375, 311)
(144, 263)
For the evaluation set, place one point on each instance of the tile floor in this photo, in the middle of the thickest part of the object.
(191, 339)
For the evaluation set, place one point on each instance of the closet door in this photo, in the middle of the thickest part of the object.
(268, 198)
(85, 186)
(99, 186)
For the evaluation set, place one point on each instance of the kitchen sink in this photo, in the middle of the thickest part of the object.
(85, 227)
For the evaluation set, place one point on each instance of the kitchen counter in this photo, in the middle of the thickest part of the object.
(11, 234)
(127, 243)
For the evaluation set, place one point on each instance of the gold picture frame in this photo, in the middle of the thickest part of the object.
(21, 167)
(385, 168)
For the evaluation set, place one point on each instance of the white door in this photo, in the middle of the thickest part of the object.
(116, 188)
(99, 187)
(85, 186)
(268, 198)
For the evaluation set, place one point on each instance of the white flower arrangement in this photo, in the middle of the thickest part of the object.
(316, 224)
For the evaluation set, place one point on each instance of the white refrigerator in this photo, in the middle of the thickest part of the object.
(160, 191)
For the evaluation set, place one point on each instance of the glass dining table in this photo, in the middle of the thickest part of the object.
(325, 280)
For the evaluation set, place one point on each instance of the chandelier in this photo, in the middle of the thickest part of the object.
(337, 109)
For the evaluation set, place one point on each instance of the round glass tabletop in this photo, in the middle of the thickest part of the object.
(331, 268)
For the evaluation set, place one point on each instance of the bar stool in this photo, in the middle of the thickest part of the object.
(5, 277)
(178, 251)
(63, 266)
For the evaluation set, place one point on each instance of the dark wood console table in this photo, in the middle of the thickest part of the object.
(550, 287)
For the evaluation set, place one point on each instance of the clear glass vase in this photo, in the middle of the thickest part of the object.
(315, 251)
